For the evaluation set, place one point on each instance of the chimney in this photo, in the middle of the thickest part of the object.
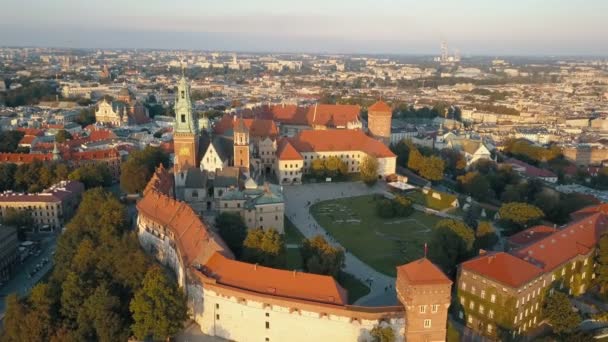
(234, 117)
(294, 273)
(255, 266)
(482, 252)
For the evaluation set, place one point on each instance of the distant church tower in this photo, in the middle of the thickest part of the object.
(185, 133)
(379, 121)
(425, 292)
(241, 144)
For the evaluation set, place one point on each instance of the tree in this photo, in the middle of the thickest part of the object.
(233, 231)
(158, 307)
(476, 185)
(485, 235)
(92, 175)
(318, 167)
(13, 323)
(63, 136)
(139, 167)
(264, 247)
(383, 334)
(518, 216)
(400, 206)
(85, 117)
(7, 176)
(432, 168)
(415, 159)
(320, 257)
(602, 264)
(369, 170)
(451, 243)
(558, 311)
(9, 140)
(20, 219)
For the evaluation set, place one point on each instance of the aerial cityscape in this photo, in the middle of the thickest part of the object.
(339, 171)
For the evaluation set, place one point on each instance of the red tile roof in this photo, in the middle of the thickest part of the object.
(286, 151)
(329, 115)
(530, 170)
(24, 158)
(256, 127)
(27, 140)
(422, 272)
(339, 140)
(31, 131)
(531, 235)
(161, 181)
(601, 208)
(380, 107)
(101, 134)
(282, 283)
(503, 268)
(578, 238)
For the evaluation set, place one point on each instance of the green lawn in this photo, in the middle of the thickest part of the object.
(292, 234)
(356, 289)
(381, 243)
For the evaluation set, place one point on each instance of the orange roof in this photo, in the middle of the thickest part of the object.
(111, 153)
(24, 158)
(283, 283)
(422, 272)
(380, 107)
(31, 131)
(101, 134)
(27, 139)
(161, 181)
(531, 235)
(195, 242)
(256, 127)
(578, 238)
(503, 268)
(329, 115)
(339, 140)
(286, 151)
(601, 208)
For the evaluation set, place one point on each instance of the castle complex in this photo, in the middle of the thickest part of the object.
(246, 302)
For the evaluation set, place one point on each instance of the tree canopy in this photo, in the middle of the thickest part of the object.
(233, 231)
(369, 170)
(264, 247)
(602, 264)
(92, 175)
(557, 309)
(517, 216)
(451, 243)
(383, 334)
(139, 167)
(159, 307)
(321, 257)
(63, 136)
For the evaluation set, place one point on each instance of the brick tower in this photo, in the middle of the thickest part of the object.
(379, 121)
(185, 135)
(241, 144)
(425, 292)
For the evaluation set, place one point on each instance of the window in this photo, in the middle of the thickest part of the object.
(267, 325)
(481, 309)
(238, 205)
(470, 319)
(462, 300)
(217, 317)
(493, 298)
(491, 314)
(471, 305)
(217, 306)
(427, 323)
(268, 314)
(464, 285)
(489, 328)
(422, 308)
(573, 265)
(435, 308)
(473, 290)
(183, 118)
(483, 294)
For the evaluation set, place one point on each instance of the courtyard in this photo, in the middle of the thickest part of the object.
(381, 243)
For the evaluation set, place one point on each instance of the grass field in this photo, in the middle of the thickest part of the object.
(292, 234)
(381, 243)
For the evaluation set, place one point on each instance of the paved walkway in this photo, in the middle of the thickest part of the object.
(297, 209)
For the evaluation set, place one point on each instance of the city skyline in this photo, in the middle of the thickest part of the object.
(474, 27)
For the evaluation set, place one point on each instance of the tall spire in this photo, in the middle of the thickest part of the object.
(56, 152)
(184, 115)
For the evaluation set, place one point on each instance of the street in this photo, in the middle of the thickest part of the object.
(20, 283)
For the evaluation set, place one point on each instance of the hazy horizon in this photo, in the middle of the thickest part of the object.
(404, 27)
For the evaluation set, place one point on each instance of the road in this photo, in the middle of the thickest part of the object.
(297, 209)
(20, 283)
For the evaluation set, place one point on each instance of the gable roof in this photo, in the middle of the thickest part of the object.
(339, 140)
(286, 151)
(503, 268)
(282, 283)
(330, 115)
(422, 272)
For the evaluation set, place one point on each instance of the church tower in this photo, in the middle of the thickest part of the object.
(241, 144)
(379, 121)
(425, 292)
(185, 132)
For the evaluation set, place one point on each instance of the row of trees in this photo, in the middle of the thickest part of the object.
(139, 167)
(37, 176)
(453, 161)
(103, 287)
(267, 247)
(329, 167)
(431, 167)
(487, 182)
(530, 153)
(28, 94)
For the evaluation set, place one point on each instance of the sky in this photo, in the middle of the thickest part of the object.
(474, 27)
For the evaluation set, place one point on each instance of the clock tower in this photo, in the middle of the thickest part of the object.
(185, 132)
(241, 145)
